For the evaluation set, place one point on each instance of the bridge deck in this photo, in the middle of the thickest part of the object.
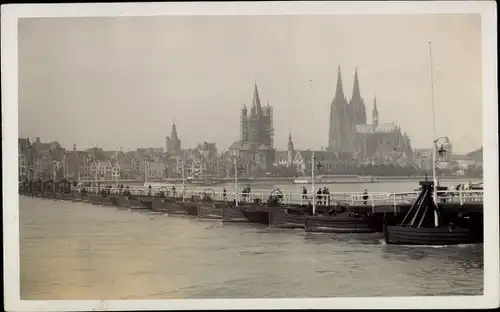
(471, 200)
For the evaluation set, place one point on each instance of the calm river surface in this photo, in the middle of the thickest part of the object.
(80, 251)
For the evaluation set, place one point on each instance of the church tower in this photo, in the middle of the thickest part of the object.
(173, 142)
(375, 113)
(339, 124)
(289, 161)
(244, 124)
(357, 104)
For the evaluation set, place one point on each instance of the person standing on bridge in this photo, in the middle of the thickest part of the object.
(326, 197)
(224, 194)
(304, 192)
(365, 197)
(319, 197)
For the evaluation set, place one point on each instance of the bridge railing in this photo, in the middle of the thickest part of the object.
(351, 198)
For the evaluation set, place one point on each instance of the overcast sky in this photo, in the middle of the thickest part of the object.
(119, 82)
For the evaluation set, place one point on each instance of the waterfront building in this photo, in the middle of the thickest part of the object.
(25, 159)
(350, 132)
(101, 170)
(255, 147)
(155, 170)
(47, 160)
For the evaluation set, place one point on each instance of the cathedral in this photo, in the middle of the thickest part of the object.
(255, 147)
(350, 133)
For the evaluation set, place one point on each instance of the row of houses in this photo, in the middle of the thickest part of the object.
(39, 160)
(50, 160)
(451, 163)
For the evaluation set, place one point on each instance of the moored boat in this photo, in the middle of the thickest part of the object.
(209, 208)
(125, 202)
(162, 204)
(95, 199)
(288, 218)
(183, 208)
(344, 222)
(425, 224)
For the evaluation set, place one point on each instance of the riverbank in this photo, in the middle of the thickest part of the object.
(290, 180)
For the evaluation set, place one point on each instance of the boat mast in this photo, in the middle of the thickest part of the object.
(313, 160)
(184, 162)
(434, 142)
(236, 179)
(183, 175)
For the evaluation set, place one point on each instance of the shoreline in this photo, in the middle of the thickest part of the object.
(290, 180)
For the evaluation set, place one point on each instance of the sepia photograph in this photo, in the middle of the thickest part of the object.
(321, 152)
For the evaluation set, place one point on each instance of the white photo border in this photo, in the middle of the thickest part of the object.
(9, 19)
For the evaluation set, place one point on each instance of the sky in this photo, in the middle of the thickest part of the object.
(119, 82)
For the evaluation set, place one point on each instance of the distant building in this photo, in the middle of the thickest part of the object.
(350, 132)
(25, 159)
(255, 147)
(173, 143)
(423, 158)
(156, 170)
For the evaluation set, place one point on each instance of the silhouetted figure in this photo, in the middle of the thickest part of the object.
(365, 197)
(319, 197)
(304, 192)
(224, 194)
(325, 197)
(149, 190)
(173, 190)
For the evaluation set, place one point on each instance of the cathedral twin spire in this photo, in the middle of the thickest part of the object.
(357, 105)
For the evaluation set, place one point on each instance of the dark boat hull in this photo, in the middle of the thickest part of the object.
(183, 208)
(124, 202)
(107, 201)
(257, 216)
(64, 196)
(210, 210)
(147, 202)
(404, 235)
(342, 223)
(95, 199)
(283, 219)
(162, 204)
(233, 214)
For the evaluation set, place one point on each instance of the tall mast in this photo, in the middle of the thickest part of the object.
(313, 160)
(434, 176)
(236, 179)
(183, 174)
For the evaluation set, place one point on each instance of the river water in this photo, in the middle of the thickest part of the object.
(81, 251)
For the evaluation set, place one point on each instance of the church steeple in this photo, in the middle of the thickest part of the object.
(375, 113)
(339, 91)
(289, 158)
(256, 101)
(173, 143)
(356, 94)
(357, 104)
(173, 133)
